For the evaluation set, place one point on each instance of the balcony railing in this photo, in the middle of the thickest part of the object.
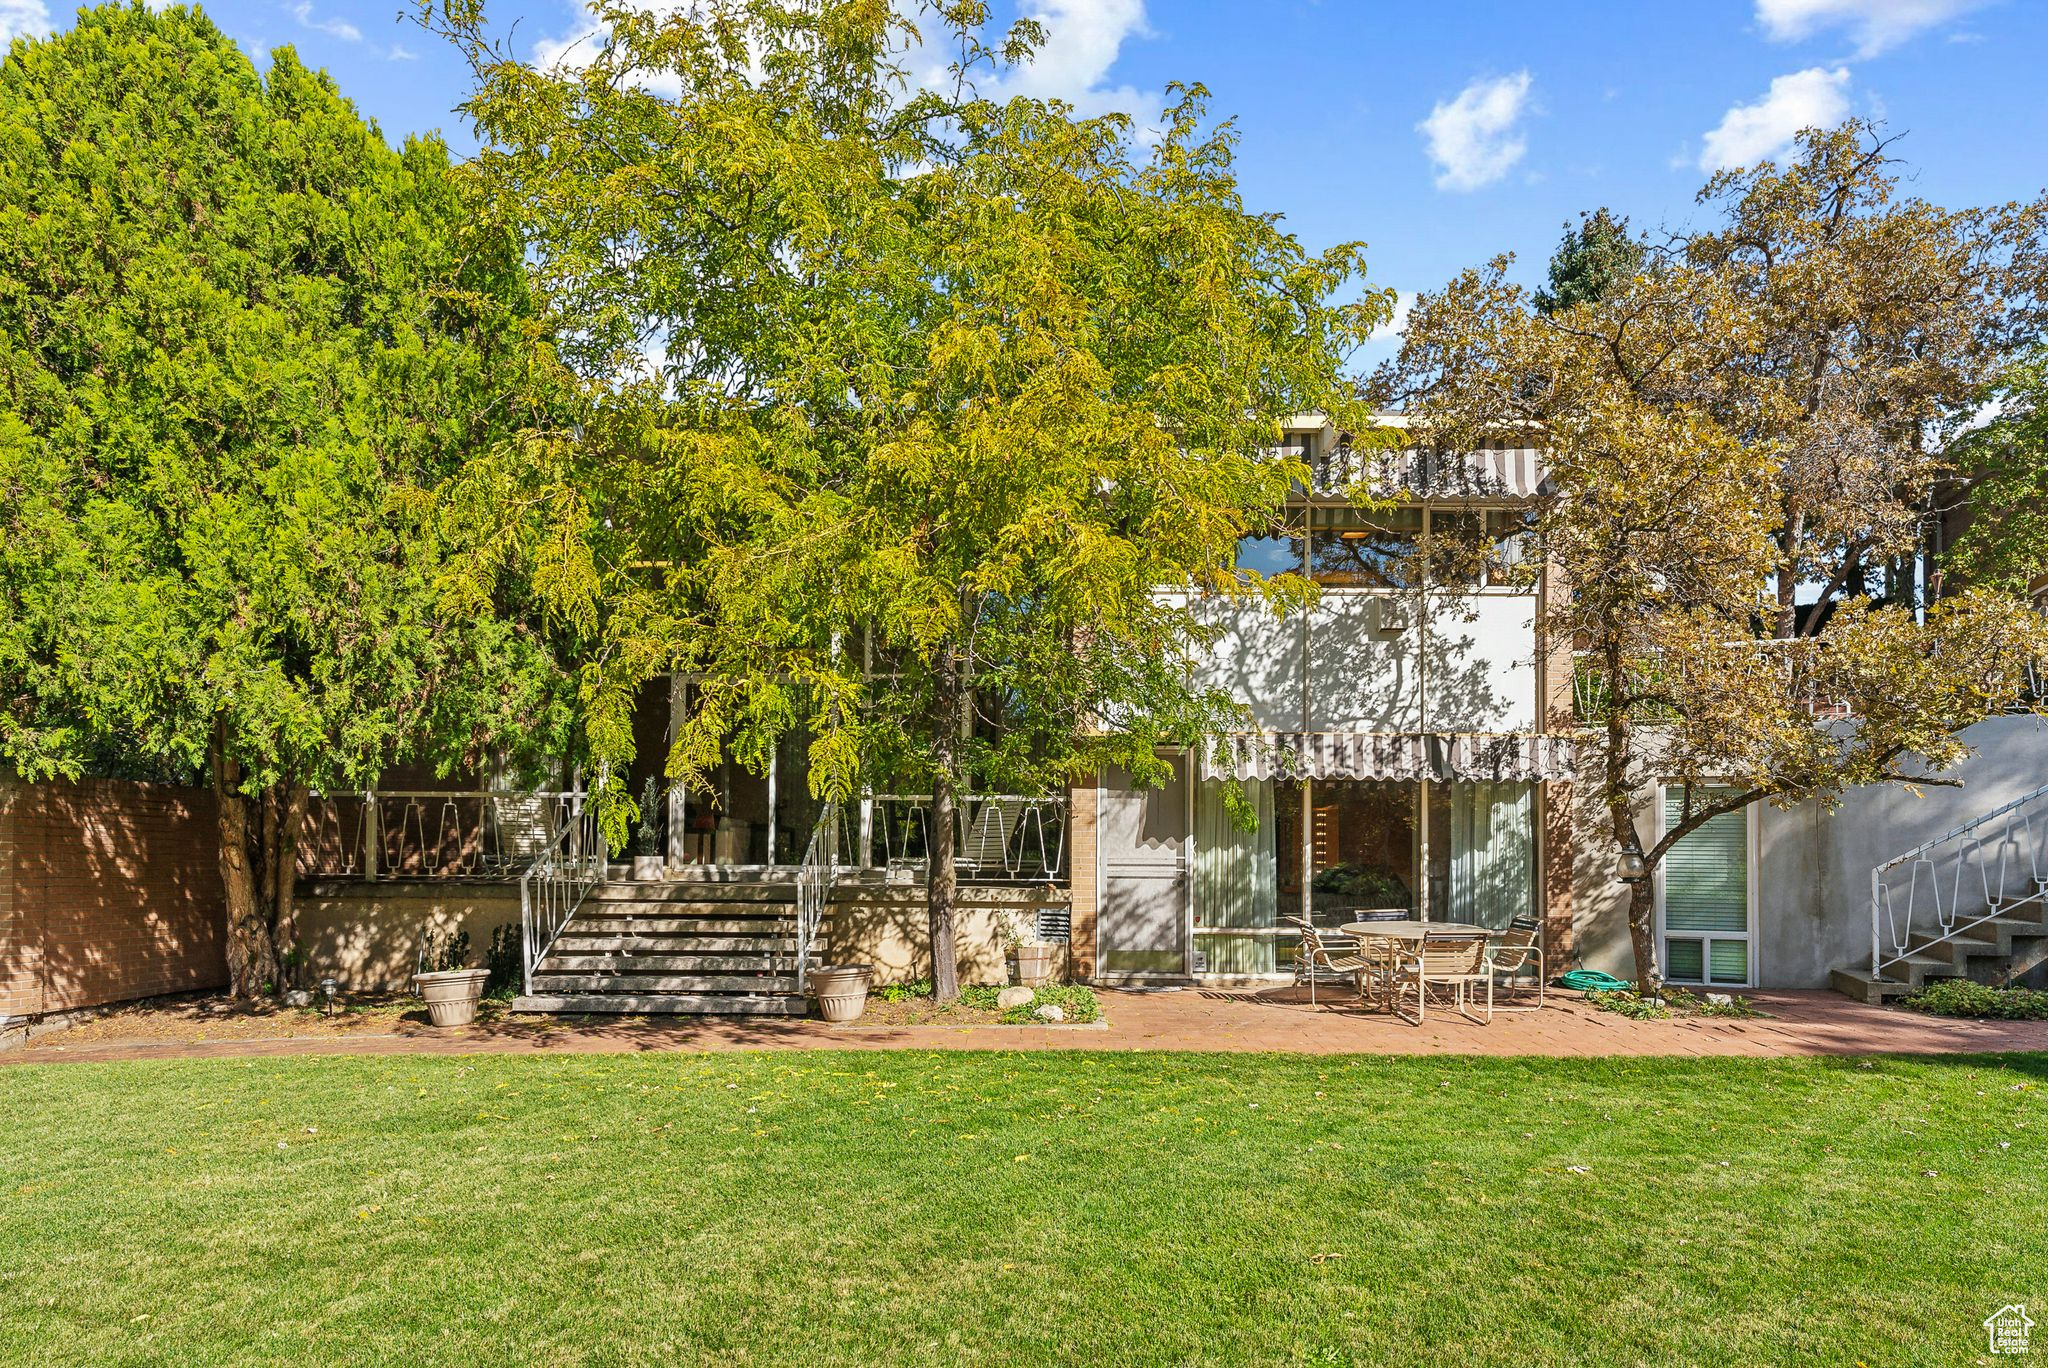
(1645, 681)
(998, 837)
(430, 834)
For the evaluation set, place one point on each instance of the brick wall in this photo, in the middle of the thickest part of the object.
(108, 891)
(1081, 883)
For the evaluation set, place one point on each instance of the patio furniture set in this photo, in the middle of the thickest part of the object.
(1397, 962)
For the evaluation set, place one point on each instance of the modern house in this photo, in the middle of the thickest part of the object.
(1410, 742)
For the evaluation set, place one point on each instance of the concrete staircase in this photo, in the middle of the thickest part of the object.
(712, 948)
(1997, 950)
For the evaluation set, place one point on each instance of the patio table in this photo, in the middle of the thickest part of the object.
(1412, 930)
(1409, 932)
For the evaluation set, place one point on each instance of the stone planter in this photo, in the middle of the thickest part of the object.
(1035, 964)
(648, 868)
(841, 990)
(451, 995)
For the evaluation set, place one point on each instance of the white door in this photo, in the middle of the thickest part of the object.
(1142, 930)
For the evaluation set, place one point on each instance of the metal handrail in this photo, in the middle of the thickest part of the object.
(996, 836)
(557, 882)
(1964, 850)
(429, 833)
(814, 880)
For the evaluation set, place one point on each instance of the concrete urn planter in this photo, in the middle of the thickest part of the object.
(451, 995)
(648, 868)
(841, 990)
(1035, 963)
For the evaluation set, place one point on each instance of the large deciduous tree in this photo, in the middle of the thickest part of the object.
(1748, 426)
(241, 339)
(943, 393)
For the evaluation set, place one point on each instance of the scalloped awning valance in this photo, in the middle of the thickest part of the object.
(1441, 757)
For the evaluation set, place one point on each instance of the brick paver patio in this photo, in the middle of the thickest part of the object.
(1798, 1023)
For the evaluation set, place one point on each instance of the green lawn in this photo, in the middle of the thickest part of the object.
(1089, 1208)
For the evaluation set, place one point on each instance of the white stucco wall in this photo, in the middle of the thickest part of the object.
(1813, 867)
(1366, 666)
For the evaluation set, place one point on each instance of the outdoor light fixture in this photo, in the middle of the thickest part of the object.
(1633, 868)
(327, 987)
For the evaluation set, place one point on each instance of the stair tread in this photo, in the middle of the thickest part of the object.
(663, 1004)
(677, 944)
(706, 961)
(630, 983)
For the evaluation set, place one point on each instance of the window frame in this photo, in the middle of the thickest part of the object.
(1748, 938)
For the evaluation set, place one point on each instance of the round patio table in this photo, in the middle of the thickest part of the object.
(1412, 930)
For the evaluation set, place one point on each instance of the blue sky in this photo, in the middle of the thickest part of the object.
(1439, 133)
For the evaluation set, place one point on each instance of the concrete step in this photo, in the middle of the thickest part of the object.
(718, 924)
(558, 963)
(645, 984)
(664, 1004)
(626, 891)
(676, 943)
(1858, 984)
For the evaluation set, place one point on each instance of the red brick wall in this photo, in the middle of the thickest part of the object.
(108, 891)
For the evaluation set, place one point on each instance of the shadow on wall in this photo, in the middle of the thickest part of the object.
(111, 891)
(890, 932)
(369, 935)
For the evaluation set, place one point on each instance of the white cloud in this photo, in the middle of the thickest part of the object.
(1391, 330)
(575, 49)
(1874, 24)
(333, 28)
(1473, 139)
(22, 19)
(401, 53)
(1814, 98)
(1083, 39)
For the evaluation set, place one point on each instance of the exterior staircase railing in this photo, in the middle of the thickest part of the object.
(814, 880)
(557, 882)
(1941, 889)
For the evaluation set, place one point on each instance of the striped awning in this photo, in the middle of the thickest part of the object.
(1441, 757)
(1492, 472)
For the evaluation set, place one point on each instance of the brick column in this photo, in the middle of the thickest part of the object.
(1557, 864)
(1558, 711)
(1081, 882)
(17, 943)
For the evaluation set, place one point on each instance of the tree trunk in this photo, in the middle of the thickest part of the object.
(259, 848)
(288, 801)
(251, 951)
(943, 885)
(943, 891)
(1642, 903)
(1642, 907)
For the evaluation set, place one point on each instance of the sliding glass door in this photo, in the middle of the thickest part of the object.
(1361, 844)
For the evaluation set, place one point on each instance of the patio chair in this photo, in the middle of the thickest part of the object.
(1516, 953)
(1454, 962)
(1323, 950)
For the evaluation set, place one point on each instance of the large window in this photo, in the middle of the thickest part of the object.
(1464, 548)
(1705, 898)
(1276, 552)
(1352, 550)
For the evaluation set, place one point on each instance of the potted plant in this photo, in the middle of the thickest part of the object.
(648, 861)
(841, 990)
(1034, 956)
(446, 982)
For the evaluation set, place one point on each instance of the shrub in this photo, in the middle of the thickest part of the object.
(904, 992)
(1962, 998)
(1075, 1000)
(506, 959)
